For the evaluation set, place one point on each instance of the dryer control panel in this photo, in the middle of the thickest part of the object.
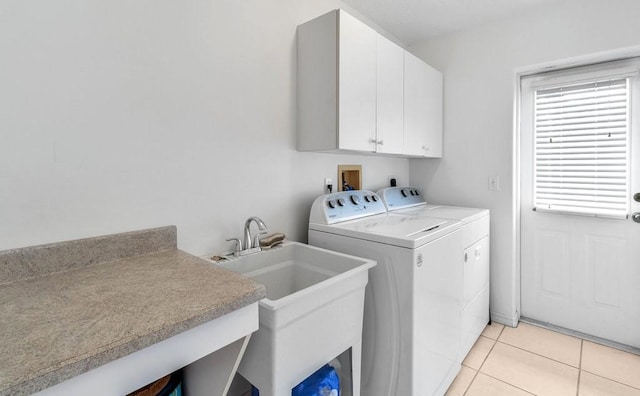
(401, 197)
(346, 205)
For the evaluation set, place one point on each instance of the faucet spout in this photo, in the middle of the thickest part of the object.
(246, 242)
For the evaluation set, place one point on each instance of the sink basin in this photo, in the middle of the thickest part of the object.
(312, 313)
(288, 270)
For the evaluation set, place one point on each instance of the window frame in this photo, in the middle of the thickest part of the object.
(621, 69)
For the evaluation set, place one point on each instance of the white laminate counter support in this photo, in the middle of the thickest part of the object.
(133, 371)
(213, 374)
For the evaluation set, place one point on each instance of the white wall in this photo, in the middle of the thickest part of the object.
(120, 115)
(479, 69)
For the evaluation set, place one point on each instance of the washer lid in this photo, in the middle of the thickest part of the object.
(404, 231)
(410, 201)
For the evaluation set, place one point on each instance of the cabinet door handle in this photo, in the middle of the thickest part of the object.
(381, 142)
(372, 140)
(426, 148)
(465, 257)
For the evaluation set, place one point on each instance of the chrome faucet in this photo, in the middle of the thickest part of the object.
(247, 246)
(246, 242)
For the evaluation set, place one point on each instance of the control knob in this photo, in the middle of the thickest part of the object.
(341, 201)
(331, 203)
(403, 192)
(374, 198)
(355, 199)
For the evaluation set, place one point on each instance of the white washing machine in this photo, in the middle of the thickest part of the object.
(474, 256)
(413, 301)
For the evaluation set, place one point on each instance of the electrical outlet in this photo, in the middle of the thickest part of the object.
(328, 182)
(494, 183)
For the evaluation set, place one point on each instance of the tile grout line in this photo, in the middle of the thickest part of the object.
(583, 336)
(598, 375)
(512, 385)
(579, 365)
(490, 376)
(610, 379)
(533, 353)
(485, 358)
(470, 382)
(543, 356)
(579, 368)
(490, 349)
(498, 379)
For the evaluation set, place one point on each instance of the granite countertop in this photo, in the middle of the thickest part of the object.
(59, 324)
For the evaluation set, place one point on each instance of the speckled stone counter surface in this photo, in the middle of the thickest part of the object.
(64, 311)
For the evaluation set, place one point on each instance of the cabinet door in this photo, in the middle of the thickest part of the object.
(422, 108)
(476, 268)
(356, 85)
(390, 100)
(475, 314)
(317, 118)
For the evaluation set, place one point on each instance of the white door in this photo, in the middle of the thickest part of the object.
(582, 271)
(422, 108)
(390, 97)
(357, 85)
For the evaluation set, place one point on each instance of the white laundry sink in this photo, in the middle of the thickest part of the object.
(312, 313)
(288, 270)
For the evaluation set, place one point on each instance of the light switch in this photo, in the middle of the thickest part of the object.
(494, 183)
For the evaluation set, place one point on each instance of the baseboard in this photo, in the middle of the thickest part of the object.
(507, 320)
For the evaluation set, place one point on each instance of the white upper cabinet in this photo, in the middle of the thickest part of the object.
(356, 85)
(336, 84)
(390, 97)
(352, 92)
(422, 108)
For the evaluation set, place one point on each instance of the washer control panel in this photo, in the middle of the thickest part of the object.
(401, 197)
(346, 205)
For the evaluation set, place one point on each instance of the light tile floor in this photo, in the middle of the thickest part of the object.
(529, 360)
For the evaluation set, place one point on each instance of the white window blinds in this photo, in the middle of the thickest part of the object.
(581, 158)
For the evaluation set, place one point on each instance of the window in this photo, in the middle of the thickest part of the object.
(581, 135)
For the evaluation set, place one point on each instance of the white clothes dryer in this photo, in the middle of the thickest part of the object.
(474, 256)
(413, 301)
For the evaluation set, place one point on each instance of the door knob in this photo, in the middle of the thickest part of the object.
(636, 217)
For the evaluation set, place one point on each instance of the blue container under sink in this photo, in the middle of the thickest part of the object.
(324, 382)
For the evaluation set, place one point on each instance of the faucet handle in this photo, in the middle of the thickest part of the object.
(237, 247)
(256, 239)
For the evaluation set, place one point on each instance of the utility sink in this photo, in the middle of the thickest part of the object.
(290, 269)
(312, 313)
